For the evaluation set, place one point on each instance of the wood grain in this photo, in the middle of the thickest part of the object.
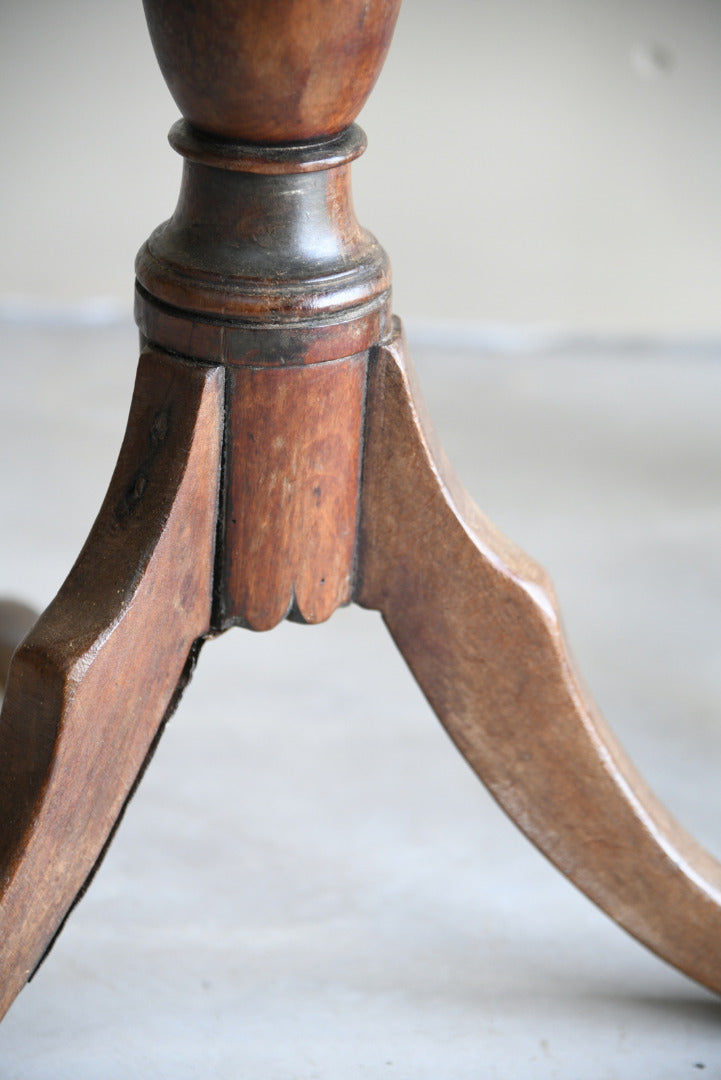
(292, 479)
(478, 625)
(264, 277)
(280, 72)
(91, 686)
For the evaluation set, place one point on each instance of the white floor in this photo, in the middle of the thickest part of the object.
(310, 883)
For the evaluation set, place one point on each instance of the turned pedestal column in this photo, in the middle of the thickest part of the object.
(277, 464)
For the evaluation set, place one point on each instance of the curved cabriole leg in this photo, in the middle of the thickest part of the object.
(477, 623)
(90, 687)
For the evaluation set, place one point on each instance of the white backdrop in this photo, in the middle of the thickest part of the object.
(531, 161)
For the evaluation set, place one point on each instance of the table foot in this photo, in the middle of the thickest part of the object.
(478, 625)
(90, 687)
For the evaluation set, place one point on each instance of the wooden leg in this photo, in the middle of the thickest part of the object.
(89, 689)
(478, 624)
(264, 268)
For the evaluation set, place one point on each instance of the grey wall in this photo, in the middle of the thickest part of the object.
(531, 161)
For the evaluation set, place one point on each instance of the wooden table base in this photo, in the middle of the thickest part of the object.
(277, 464)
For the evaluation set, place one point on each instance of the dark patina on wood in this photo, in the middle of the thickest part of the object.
(277, 464)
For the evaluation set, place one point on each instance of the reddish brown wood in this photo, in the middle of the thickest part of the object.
(241, 343)
(271, 72)
(271, 298)
(90, 687)
(291, 491)
(477, 622)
